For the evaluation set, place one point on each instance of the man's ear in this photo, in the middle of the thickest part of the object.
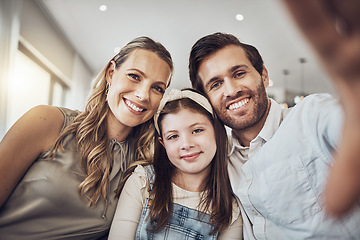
(110, 71)
(161, 141)
(265, 77)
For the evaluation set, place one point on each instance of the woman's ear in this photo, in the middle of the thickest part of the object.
(110, 71)
(161, 141)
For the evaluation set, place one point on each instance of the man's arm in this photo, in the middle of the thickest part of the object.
(333, 29)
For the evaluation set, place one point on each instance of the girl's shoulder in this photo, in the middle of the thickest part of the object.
(140, 171)
(140, 178)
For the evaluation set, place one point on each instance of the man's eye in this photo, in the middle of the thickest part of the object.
(215, 85)
(239, 74)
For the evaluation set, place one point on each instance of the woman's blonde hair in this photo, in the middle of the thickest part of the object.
(90, 128)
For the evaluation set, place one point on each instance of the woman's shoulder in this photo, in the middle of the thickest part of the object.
(68, 114)
(35, 131)
(43, 117)
(45, 111)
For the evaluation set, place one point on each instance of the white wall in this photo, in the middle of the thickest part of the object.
(25, 19)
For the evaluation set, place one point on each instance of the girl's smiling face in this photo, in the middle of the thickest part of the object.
(189, 139)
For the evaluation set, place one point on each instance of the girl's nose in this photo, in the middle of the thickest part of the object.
(186, 143)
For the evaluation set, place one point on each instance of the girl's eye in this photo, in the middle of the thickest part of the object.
(198, 130)
(133, 76)
(159, 89)
(174, 136)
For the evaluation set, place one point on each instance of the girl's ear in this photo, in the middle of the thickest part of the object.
(161, 141)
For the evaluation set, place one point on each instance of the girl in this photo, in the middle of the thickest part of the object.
(186, 193)
(60, 167)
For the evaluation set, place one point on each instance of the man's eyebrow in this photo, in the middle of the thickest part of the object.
(241, 66)
(213, 79)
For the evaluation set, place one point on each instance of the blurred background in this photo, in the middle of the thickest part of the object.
(51, 50)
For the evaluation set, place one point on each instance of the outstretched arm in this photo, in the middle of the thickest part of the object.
(333, 29)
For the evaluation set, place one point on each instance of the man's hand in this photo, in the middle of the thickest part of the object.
(333, 29)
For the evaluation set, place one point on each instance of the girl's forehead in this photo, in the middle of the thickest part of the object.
(183, 117)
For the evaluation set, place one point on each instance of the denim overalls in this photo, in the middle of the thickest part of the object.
(185, 223)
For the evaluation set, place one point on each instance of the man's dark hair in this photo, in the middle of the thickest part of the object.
(212, 43)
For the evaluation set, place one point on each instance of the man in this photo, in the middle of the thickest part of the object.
(279, 158)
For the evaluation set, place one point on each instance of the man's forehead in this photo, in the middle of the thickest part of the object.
(225, 59)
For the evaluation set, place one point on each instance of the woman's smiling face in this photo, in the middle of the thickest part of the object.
(136, 89)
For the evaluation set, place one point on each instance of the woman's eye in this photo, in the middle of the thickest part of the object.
(134, 76)
(159, 89)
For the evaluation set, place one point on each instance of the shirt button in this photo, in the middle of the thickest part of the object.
(248, 180)
(254, 212)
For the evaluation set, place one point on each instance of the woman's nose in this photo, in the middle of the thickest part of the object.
(142, 92)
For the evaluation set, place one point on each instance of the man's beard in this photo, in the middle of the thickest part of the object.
(239, 123)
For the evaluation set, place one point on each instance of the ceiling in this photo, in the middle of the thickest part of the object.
(179, 24)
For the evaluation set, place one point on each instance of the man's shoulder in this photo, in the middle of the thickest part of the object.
(314, 110)
(317, 98)
(315, 104)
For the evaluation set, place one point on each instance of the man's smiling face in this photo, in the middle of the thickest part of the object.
(235, 89)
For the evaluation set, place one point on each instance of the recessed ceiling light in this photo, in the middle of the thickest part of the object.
(239, 17)
(103, 8)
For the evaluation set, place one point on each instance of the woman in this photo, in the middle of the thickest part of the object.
(60, 168)
(186, 193)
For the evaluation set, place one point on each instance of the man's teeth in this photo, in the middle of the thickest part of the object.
(132, 106)
(238, 104)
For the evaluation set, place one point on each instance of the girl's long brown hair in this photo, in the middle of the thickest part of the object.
(217, 195)
(90, 129)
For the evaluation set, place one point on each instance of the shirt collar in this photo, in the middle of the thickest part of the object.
(272, 123)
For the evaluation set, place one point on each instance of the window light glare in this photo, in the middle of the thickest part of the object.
(103, 8)
(239, 17)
